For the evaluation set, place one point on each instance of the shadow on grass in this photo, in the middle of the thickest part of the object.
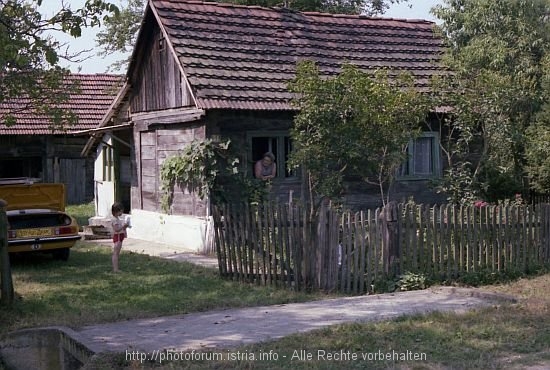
(83, 290)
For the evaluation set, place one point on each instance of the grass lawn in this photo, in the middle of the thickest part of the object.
(83, 290)
(81, 212)
(509, 336)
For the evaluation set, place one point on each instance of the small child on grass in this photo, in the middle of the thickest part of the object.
(119, 232)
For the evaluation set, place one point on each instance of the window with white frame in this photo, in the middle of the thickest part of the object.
(423, 160)
(276, 142)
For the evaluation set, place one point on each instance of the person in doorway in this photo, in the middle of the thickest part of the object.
(119, 226)
(265, 168)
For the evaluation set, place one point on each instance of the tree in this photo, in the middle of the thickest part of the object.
(496, 50)
(30, 56)
(120, 32)
(352, 124)
(537, 138)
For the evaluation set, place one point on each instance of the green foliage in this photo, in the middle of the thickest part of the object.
(353, 123)
(497, 51)
(458, 184)
(197, 168)
(488, 277)
(537, 138)
(119, 33)
(81, 212)
(405, 282)
(411, 281)
(29, 58)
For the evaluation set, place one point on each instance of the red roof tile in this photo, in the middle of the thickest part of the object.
(97, 92)
(242, 57)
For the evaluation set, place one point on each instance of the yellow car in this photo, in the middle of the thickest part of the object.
(37, 221)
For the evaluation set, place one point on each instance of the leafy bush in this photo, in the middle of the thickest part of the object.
(411, 281)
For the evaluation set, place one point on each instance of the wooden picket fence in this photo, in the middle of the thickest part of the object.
(348, 252)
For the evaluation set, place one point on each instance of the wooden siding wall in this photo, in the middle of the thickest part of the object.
(235, 125)
(160, 84)
(61, 162)
(156, 146)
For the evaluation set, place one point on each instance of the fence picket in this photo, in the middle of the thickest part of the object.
(271, 244)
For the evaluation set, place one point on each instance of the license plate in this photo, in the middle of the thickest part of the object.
(31, 233)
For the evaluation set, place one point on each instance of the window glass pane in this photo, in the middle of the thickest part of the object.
(422, 156)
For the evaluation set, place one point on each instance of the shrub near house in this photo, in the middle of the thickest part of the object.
(36, 218)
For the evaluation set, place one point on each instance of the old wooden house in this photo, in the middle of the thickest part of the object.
(31, 148)
(210, 70)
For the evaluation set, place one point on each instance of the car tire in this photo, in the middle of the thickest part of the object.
(62, 254)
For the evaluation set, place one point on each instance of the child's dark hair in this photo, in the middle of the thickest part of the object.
(117, 207)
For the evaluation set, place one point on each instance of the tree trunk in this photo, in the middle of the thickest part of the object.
(7, 282)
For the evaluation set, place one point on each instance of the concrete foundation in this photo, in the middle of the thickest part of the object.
(44, 349)
(186, 233)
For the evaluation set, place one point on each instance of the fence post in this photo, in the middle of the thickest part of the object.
(7, 282)
(390, 235)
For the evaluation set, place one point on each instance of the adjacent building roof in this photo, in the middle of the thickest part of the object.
(97, 92)
(242, 57)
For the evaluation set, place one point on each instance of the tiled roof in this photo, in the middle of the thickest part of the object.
(242, 57)
(97, 92)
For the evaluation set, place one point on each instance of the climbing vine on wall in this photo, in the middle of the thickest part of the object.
(197, 168)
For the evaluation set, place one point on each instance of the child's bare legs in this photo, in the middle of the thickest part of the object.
(116, 252)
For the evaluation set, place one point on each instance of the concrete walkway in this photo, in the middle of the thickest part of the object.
(221, 329)
(167, 251)
(234, 327)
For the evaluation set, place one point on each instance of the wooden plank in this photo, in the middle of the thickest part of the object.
(280, 244)
(515, 238)
(371, 229)
(246, 243)
(377, 247)
(289, 245)
(460, 229)
(434, 240)
(483, 237)
(217, 238)
(262, 245)
(356, 252)
(405, 236)
(547, 233)
(349, 252)
(421, 266)
(441, 245)
(362, 252)
(475, 239)
(416, 216)
(447, 240)
(233, 269)
(532, 240)
(271, 245)
(506, 248)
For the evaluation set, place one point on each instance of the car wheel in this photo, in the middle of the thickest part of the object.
(62, 254)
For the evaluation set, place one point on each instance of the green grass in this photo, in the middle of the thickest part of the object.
(508, 336)
(81, 212)
(83, 290)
